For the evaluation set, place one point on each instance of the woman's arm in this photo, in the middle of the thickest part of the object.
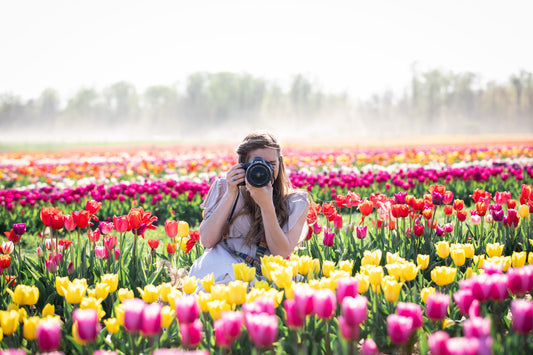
(280, 242)
(211, 226)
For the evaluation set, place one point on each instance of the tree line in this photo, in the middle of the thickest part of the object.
(434, 100)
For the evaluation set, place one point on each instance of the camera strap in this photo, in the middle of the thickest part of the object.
(262, 245)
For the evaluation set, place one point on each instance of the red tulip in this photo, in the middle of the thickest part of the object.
(12, 237)
(366, 207)
(46, 212)
(171, 228)
(153, 243)
(70, 225)
(93, 206)
(57, 220)
(121, 224)
(81, 218)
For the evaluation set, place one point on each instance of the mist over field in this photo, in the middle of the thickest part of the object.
(223, 107)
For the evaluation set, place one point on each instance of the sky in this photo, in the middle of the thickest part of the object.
(358, 47)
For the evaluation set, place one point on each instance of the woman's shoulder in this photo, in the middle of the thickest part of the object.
(298, 198)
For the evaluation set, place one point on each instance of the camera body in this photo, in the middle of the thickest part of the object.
(258, 172)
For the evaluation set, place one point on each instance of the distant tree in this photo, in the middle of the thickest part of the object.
(122, 102)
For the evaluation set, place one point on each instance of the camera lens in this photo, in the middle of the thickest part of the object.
(258, 175)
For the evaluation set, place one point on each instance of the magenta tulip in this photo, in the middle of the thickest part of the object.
(151, 319)
(354, 310)
(347, 286)
(518, 280)
(437, 343)
(437, 306)
(498, 287)
(462, 346)
(399, 328)
(522, 311)
(87, 323)
(191, 333)
(477, 327)
(133, 314)
(293, 319)
(411, 310)
(303, 297)
(49, 334)
(463, 299)
(369, 347)
(324, 303)
(187, 309)
(262, 329)
(348, 332)
(361, 232)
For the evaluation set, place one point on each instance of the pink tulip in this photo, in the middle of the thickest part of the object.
(498, 287)
(110, 242)
(293, 319)
(70, 225)
(347, 286)
(437, 306)
(105, 227)
(329, 238)
(100, 252)
(480, 287)
(228, 328)
(87, 323)
(171, 228)
(324, 303)
(462, 346)
(411, 310)
(117, 254)
(133, 314)
(361, 232)
(70, 268)
(477, 327)
(348, 331)
(260, 305)
(522, 311)
(303, 297)
(463, 299)
(187, 309)
(476, 220)
(49, 334)
(369, 347)
(473, 311)
(262, 329)
(518, 280)
(39, 252)
(317, 228)
(437, 343)
(121, 224)
(337, 222)
(221, 338)
(354, 310)
(191, 333)
(492, 268)
(93, 236)
(151, 319)
(399, 328)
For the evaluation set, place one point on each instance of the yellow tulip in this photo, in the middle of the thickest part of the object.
(236, 292)
(494, 249)
(167, 316)
(443, 249)
(346, 265)
(394, 270)
(149, 294)
(48, 310)
(101, 290)
(112, 325)
(523, 211)
(363, 282)
(469, 272)
(327, 267)
(425, 292)
(504, 261)
(338, 274)
(172, 295)
(447, 323)
(164, 291)
(24, 295)
(394, 258)
(282, 277)
(219, 292)
(422, 261)
(371, 258)
(61, 283)
(375, 275)
(530, 258)
(518, 259)
(1, 334)
(119, 311)
(328, 282)
(458, 256)
(80, 282)
(93, 303)
(22, 315)
(203, 299)
(74, 292)
(243, 272)
(469, 250)
(443, 275)
(261, 285)
(183, 229)
(305, 265)
(409, 271)
(9, 320)
(125, 294)
(391, 290)
(216, 308)
(208, 281)
(30, 328)
(314, 284)
(478, 261)
(190, 284)
(111, 280)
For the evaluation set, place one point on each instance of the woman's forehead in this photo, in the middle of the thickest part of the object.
(268, 154)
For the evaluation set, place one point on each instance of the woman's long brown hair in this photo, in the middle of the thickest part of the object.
(281, 186)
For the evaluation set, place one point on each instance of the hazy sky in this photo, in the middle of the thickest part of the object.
(358, 46)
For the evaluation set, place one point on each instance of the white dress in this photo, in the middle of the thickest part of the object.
(219, 260)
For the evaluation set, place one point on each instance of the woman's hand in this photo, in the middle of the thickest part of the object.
(234, 177)
(261, 195)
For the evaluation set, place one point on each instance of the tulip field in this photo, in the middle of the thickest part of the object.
(425, 250)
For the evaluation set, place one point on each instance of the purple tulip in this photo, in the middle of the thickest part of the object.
(19, 228)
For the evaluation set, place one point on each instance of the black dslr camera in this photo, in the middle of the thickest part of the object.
(258, 172)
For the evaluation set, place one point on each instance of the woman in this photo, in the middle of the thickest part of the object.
(243, 222)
